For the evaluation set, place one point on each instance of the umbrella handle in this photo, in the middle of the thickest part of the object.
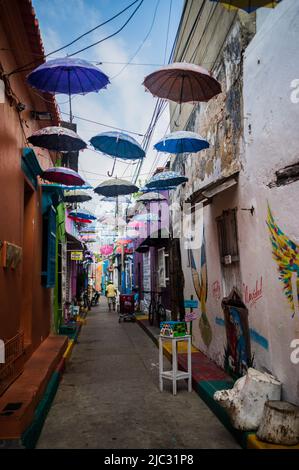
(177, 123)
(108, 172)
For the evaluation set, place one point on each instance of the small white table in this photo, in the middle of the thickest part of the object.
(174, 374)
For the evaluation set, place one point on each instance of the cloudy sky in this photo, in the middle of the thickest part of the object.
(124, 103)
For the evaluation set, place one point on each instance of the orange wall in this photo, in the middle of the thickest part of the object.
(37, 298)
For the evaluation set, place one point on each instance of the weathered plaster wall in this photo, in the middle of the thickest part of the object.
(269, 143)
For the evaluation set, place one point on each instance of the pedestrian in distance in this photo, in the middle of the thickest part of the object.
(111, 295)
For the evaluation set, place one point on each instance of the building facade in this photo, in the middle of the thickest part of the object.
(242, 263)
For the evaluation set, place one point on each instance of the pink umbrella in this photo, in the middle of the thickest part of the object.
(136, 224)
(182, 82)
(63, 175)
(106, 250)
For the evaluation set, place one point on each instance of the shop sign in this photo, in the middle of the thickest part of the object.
(76, 255)
(191, 303)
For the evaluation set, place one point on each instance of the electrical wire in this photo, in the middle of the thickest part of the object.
(167, 34)
(104, 125)
(110, 35)
(20, 69)
(142, 43)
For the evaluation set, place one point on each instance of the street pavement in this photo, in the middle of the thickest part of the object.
(109, 396)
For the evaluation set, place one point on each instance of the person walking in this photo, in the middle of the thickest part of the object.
(111, 295)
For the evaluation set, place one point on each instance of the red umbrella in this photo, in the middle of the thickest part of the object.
(79, 220)
(182, 82)
(63, 175)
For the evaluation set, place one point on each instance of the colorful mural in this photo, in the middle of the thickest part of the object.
(237, 356)
(286, 254)
(200, 283)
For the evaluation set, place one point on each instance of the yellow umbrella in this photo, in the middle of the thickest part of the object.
(247, 5)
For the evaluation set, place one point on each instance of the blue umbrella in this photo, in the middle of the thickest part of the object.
(82, 214)
(181, 142)
(69, 76)
(118, 145)
(145, 189)
(166, 180)
(113, 199)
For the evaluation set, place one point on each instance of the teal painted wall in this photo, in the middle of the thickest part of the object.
(60, 238)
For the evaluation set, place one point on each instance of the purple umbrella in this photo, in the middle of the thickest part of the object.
(63, 175)
(69, 76)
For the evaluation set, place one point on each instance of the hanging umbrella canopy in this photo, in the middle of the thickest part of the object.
(57, 138)
(123, 241)
(151, 196)
(145, 189)
(76, 196)
(118, 144)
(166, 180)
(63, 175)
(153, 188)
(136, 224)
(121, 199)
(248, 5)
(79, 220)
(146, 217)
(68, 75)
(116, 187)
(88, 230)
(182, 82)
(106, 250)
(113, 220)
(82, 214)
(181, 142)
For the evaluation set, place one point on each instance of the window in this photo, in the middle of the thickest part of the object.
(49, 248)
(228, 236)
(163, 267)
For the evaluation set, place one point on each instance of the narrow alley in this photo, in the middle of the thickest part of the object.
(109, 396)
(149, 243)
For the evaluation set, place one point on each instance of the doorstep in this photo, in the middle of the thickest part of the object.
(208, 378)
(18, 403)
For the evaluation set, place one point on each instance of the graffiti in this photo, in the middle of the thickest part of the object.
(200, 283)
(216, 291)
(254, 335)
(259, 339)
(252, 296)
(237, 356)
(286, 254)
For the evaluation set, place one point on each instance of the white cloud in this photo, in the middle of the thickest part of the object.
(124, 104)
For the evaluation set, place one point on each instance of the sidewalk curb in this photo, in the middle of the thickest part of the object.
(205, 389)
(31, 435)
